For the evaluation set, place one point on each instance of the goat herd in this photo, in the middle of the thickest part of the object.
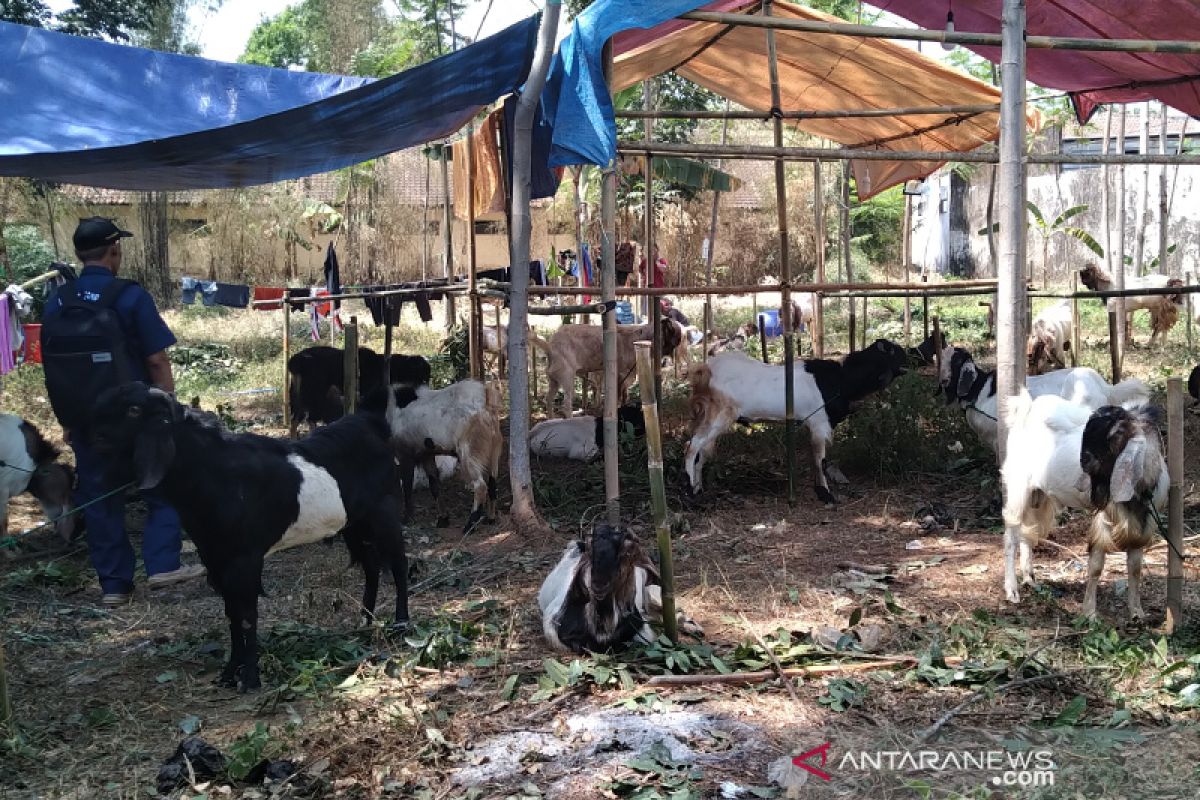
(1075, 441)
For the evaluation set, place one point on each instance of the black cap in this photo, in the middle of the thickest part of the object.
(96, 232)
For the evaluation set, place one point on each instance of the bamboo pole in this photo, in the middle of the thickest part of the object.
(906, 246)
(658, 493)
(844, 250)
(846, 113)
(1076, 337)
(1106, 190)
(1010, 333)
(763, 676)
(1175, 454)
(1114, 347)
(1163, 209)
(712, 246)
(448, 232)
(863, 343)
(1143, 200)
(652, 307)
(818, 299)
(287, 374)
(474, 309)
(767, 152)
(785, 270)
(762, 337)
(608, 292)
(1118, 273)
(956, 37)
(916, 288)
(350, 366)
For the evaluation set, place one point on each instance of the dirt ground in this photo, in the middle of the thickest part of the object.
(905, 568)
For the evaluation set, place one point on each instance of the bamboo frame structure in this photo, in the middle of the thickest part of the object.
(474, 309)
(849, 113)
(1174, 505)
(608, 292)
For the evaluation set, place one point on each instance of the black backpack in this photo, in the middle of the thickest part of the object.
(85, 350)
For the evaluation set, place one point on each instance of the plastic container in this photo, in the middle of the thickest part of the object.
(33, 343)
(769, 324)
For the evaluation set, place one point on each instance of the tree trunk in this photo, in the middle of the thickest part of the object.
(5, 261)
(155, 274)
(525, 517)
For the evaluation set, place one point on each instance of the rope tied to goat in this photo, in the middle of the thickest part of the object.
(11, 541)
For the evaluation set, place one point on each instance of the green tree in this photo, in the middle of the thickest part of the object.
(116, 20)
(280, 41)
(33, 13)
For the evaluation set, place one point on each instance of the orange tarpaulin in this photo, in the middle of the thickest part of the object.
(819, 72)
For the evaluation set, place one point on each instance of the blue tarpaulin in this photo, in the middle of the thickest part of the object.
(576, 98)
(89, 112)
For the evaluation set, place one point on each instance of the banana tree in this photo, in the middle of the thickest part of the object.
(1048, 230)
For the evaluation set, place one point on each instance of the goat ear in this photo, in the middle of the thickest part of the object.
(153, 452)
(1127, 472)
(966, 378)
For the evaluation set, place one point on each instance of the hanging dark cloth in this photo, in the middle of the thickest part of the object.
(543, 180)
(333, 278)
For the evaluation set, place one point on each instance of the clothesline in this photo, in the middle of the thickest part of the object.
(455, 289)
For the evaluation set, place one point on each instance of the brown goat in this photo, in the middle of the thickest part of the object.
(579, 349)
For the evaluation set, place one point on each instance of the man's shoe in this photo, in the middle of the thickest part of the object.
(114, 599)
(184, 573)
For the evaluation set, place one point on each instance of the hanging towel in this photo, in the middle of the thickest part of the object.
(333, 277)
(231, 295)
(537, 273)
(423, 307)
(268, 293)
(487, 187)
(189, 286)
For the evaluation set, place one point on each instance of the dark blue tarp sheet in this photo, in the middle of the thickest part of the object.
(576, 98)
(83, 111)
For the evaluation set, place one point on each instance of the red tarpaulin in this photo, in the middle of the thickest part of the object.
(1092, 78)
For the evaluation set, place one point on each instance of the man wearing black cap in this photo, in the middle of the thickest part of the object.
(98, 247)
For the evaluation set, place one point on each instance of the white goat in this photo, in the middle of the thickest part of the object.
(1049, 338)
(580, 438)
(602, 594)
(1060, 455)
(1164, 308)
(732, 386)
(460, 420)
(974, 390)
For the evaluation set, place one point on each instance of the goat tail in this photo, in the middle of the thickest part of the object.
(1128, 391)
(539, 342)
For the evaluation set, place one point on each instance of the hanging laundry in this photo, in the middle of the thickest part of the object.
(487, 186)
(423, 307)
(190, 286)
(268, 293)
(500, 275)
(333, 276)
(230, 295)
(537, 273)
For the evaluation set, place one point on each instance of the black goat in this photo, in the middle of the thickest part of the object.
(243, 496)
(319, 375)
(922, 355)
(1193, 384)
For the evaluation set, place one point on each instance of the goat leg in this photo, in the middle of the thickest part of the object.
(249, 679)
(1133, 565)
(405, 471)
(1012, 543)
(229, 674)
(390, 539)
(1026, 562)
(1095, 569)
(435, 489)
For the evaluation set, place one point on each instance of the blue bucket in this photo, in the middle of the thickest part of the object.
(769, 324)
(624, 313)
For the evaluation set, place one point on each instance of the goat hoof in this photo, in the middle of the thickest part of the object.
(442, 522)
(1012, 595)
(826, 497)
(398, 627)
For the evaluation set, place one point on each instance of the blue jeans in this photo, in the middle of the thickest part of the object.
(108, 544)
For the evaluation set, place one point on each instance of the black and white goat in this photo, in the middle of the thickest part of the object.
(461, 420)
(603, 594)
(581, 438)
(29, 463)
(318, 379)
(1061, 455)
(732, 386)
(1164, 308)
(974, 390)
(241, 497)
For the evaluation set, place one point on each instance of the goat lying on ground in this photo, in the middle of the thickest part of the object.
(974, 390)
(461, 420)
(29, 463)
(318, 377)
(580, 438)
(1049, 339)
(576, 349)
(242, 497)
(1164, 308)
(732, 386)
(602, 594)
(1060, 455)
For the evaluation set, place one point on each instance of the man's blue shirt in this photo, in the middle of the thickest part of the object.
(143, 326)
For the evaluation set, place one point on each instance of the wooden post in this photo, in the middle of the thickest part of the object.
(1076, 337)
(906, 249)
(1163, 205)
(1010, 294)
(863, 345)
(1174, 505)
(1118, 273)
(656, 340)
(785, 272)
(648, 199)
(448, 232)
(350, 364)
(819, 298)
(287, 375)
(844, 249)
(1114, 346)
(712, 247)
(658, 494)
(501, 360)
(937, 351)
(608, 292)
(474, 309)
